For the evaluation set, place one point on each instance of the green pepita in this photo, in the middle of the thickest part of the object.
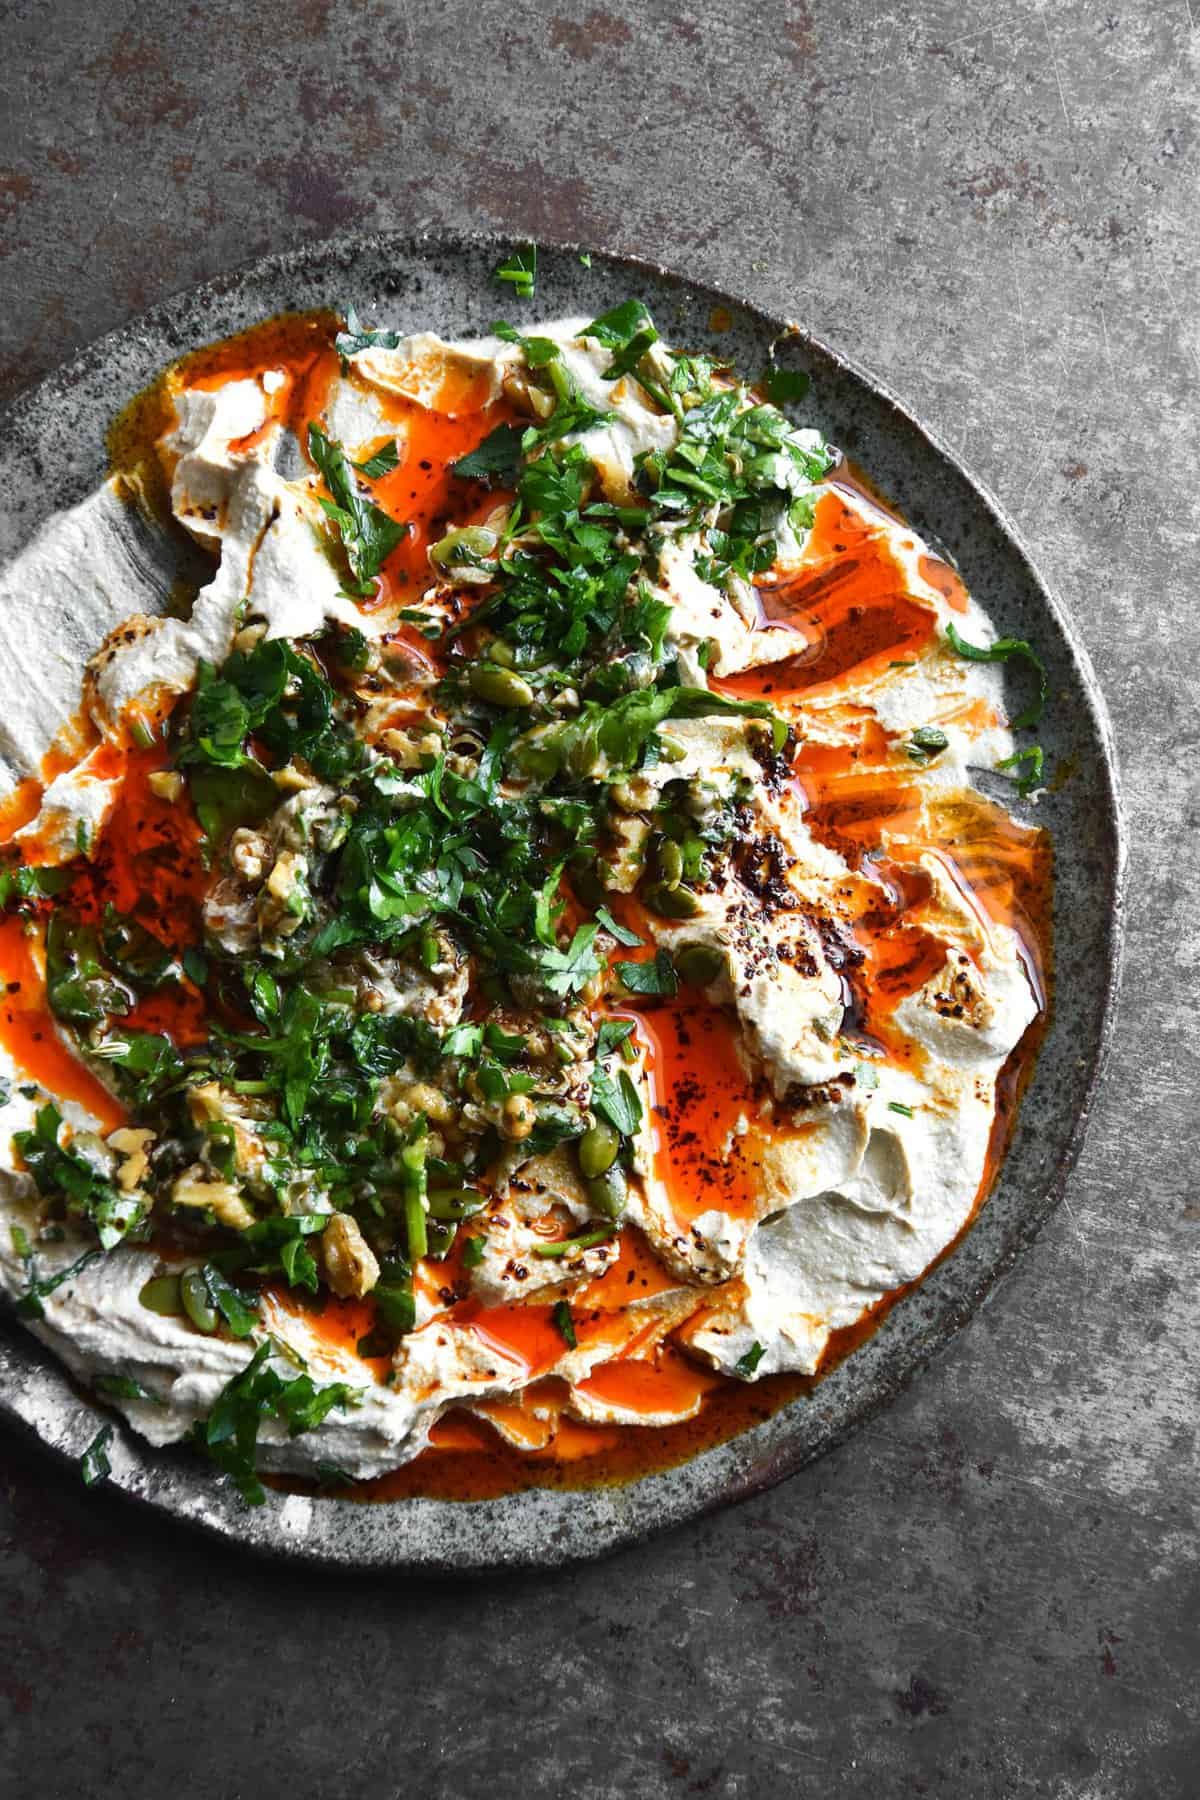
(193, 1291)
(463, 546)
(607, 1192)
(499, 687)
(539, 765)
(597, 1149)
(670, 862)
(161, 1295)
(672, 903)
(698, 964)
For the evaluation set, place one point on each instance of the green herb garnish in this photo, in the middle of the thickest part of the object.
(657, 977)
(1008, 650)
(94, 1464)
(229, 1435)
(519, 270)
(366, 533)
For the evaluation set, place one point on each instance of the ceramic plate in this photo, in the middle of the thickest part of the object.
(51, 455)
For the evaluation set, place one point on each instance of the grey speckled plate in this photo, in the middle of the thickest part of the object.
(52, 454)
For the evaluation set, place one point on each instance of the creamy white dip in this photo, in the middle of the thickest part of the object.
(860, 1188)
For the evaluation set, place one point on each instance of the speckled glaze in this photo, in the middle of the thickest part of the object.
(53, 455)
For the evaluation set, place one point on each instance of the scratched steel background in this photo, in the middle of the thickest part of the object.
(991, 1591)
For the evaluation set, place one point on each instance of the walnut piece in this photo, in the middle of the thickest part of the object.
(349, 1262)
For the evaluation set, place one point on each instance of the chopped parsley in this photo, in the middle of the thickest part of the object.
(785, 386)
(385, 459)
(366, 533)
(358, 336)
(229, 1435)
(1035, 756)
(926, 742)
(519, 271)
(1009, 650)
(94, 1464)
(657, 977)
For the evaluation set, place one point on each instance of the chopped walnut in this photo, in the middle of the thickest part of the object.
(294, 777)
(131, 1145)
(350, 1265)
(166, 784)
(196, 1187)
(249, 852)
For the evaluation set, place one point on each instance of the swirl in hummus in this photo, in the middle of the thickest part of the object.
(523, 942)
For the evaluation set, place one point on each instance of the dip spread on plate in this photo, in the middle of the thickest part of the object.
(516, 960)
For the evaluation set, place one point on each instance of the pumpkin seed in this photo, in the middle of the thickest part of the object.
(597, 1149)
(672, 903)
(161, 1295)
(670, 862)
(698, 964)
(460, 546)
(607, 1192)
(193, 1291)
(499, 687)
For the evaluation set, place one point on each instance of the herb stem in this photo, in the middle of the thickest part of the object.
(569, 1246)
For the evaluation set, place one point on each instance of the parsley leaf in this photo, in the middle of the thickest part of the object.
(566, 971)
(1035, 756)
(623, 935)
(538, 350)
(385, 459)
(496, 460)
(564, 1324)
(368, 536)
(358, 336)
(94, 1464)
(620, 325)
(1005, 650)
(612, 1033)
(239, 1310)
(783, 385)
(657, 977)
(746, 1365)
(617, 1100)
(519, 270)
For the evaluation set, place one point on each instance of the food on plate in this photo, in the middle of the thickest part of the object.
(516, 956)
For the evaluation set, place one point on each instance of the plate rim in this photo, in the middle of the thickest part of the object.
(138, 1468)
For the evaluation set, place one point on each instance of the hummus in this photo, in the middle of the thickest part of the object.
(524, 941)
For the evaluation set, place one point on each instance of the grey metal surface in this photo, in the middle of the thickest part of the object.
(991, 1589)
(51, 453)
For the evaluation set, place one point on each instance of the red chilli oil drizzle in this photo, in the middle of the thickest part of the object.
(850, 616)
